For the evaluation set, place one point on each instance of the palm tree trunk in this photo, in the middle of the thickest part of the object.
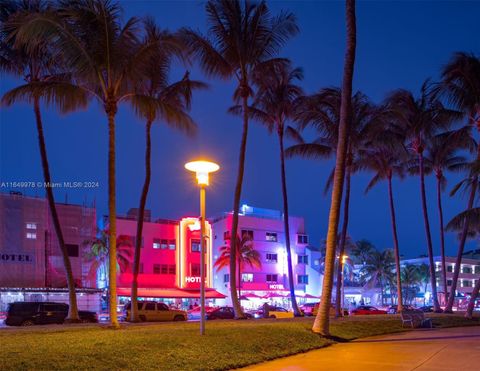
(73, 308)
(291, 284)
(111, 110)
(141, 212)
(322, 320)
(461, 246)
(442, 238)
(433, 280)
(236, 208)
(471, 302)
(343, 238)
(395, 246)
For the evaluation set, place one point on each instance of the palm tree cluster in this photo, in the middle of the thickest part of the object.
(72, 52)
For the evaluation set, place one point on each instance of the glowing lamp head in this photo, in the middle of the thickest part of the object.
(344, 258)
(202, 169)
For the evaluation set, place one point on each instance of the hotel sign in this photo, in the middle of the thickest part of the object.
(276, 286)
(193, 279)
(15, 258)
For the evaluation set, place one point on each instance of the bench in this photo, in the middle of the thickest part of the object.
(415, 318)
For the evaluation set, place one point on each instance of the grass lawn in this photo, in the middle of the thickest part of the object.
(177, 346)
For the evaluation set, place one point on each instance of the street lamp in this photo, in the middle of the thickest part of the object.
(202, 169)
(344, 259)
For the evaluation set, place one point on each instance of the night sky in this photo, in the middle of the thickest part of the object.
(400, 44)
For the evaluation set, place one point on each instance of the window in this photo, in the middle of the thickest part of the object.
(477, 269)
(450, 268)
(226, 278)
(271, 236)
(150, 306)
(163, 269)
(272, 278)
(302, 259)
(303, 279)
(247, 277)
(271, 258)
(226, 235)
(467, 270)
(302, 239)
(31, 225)
(156, 269)
(172, 269)
(247, 232)
(195, 270)
(162, 306)
(54, 308)
(163, 244)
(196, 246)
(156, 243)
(31, 236)
(449, 282)
(467, 283)
(72, 250)
(172, 244)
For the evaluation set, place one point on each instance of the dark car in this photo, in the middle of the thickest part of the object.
(392, 309)
(308, 309)
(42, 313)
(427, 309)
(224, 313)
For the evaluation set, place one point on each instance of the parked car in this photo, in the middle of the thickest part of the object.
(311, 309)
(427, 309)
(194, 314)
(367, 310)
(274, 312)
(224, 313)
(151, 311)
(42, 313)
(392, 309)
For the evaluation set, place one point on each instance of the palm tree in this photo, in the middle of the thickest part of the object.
(378, 270)
(410, 276)
(106, 59)
(45, 80)
(386, 161)
(274, 104)
(460, 85)
(246, 256)
(98, 256)
(442, 156)
(421, 118)
(423, 277)
(173, 101)
(321, 324)
(242, 37)
(361, 251)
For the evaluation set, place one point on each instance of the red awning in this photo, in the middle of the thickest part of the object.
(172, 293)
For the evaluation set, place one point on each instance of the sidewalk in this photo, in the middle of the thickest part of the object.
(443, 349)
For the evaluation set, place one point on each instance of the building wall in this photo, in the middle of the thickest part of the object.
(30, 255)
(261, 222)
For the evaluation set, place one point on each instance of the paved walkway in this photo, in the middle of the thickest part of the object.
(442, 349)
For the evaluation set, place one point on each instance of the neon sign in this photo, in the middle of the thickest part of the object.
(277, 286)
(193, 279)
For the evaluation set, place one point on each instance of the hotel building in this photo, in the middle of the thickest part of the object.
(265, 227)
(31, 263)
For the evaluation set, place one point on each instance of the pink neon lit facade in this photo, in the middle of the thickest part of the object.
(170, 257)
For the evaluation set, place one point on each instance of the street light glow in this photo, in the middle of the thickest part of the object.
(202, 169)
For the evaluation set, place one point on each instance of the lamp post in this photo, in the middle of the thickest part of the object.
(344, 259)
(202, 169)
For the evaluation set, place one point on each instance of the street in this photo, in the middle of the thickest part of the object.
(443, 349)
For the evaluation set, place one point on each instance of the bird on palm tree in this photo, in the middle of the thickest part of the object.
(172, 101)
(47, 81)
(420, 119)
(246, 256)
(243, 36)
(105, 58)
(274, 104)
(460, 86)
